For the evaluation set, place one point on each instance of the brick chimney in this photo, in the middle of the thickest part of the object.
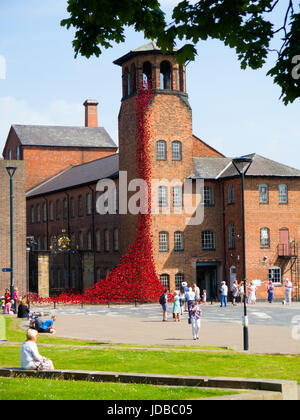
(91, 113)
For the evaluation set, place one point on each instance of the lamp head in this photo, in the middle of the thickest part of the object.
(11, 170)
(242, 164)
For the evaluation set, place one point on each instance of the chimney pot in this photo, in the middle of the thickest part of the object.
(91, 113)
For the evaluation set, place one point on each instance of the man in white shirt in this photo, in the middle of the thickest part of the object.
(288, 291)
(224, 294)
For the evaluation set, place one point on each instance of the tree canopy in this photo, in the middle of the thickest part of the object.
(244, 25)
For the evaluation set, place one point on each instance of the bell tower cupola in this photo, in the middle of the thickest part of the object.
(147, 63)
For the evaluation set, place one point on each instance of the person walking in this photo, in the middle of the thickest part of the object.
(270, 292)
(190, 298)
(176, 307)
(196, 290)
(182, 299)
(224, 294)
(196, 314)
(252, 294)
(164, 303)
(29, 355)
(288, 291)
(186, 289)
(242, 292)
(235, 292)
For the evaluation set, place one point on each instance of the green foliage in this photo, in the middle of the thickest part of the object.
(244, 25)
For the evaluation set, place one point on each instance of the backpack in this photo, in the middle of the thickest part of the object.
(162, 299)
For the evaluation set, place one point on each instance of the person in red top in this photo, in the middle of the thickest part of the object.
(7, 296)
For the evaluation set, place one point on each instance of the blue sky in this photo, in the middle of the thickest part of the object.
(235, 111)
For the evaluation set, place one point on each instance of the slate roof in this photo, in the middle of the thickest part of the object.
(55, 136)
(74, 176)
(149, 48)
(220, 168)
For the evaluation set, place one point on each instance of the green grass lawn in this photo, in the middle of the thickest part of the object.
(166, 362)
(44, 389)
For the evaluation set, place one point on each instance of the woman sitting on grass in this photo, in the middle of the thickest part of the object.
(30, 357)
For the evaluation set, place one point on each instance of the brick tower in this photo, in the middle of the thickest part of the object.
(171, 142)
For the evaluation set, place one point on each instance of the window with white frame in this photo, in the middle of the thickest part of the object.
(178, 241)
(161, 150)
(179, 278)
(165, 281)
(275, 275)
(163, 242)
(265, 237)
(163, 193)
(177, 196)
(263, 194)
(283, 194)
(208, 240)
(176, 151)
(208, 198)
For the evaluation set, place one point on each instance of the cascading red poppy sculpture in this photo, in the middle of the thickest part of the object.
(135, 278)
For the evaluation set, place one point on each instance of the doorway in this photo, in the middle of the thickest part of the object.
(207, 279)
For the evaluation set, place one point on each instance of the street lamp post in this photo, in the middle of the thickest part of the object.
(11, 171)
(242, 166)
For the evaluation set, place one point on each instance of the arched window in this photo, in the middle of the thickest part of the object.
(161, 150)
(80, 206)
(98, 241)
(163, 242)
(283, 194)
(65, 208)
(133, 79)
(126, 83)
(231, 236)
(265, 237)
(165, 281)
(179, 279)
(231, 194)
(51, 211)
(176, 151)
(57, 210)
(163, 194)
(177, 196)
(80, 240)
(89, 241)
(89, 204)
(147, 74)
(38, 213)
(106, 240)
(178, 241)
(208, 240)
(116, 239)
(72, 207)
(165, 75)
(181, 79)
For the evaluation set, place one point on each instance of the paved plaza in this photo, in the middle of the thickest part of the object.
(272, 329)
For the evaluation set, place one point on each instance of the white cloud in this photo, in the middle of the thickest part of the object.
(18, 111)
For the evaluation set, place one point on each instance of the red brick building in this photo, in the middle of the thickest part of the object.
(205, 253)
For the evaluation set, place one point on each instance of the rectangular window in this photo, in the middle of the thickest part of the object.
(177, 196)
(208, 240)
(179, 279)
(263, 194)
(265, 238)
(283, 194)
(178, 241)
(163, 242)
(275, 275)
(208, 196)
(165, 281)
(163, 196)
